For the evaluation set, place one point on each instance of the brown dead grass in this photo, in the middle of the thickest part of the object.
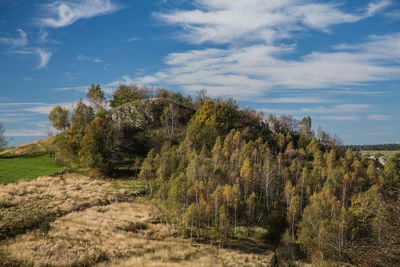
(27, 204)
(121, 234)
(81, 221)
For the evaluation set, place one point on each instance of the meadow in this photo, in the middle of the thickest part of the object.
(14, 169)
(385, 153)
(75, 220)
(70, 219)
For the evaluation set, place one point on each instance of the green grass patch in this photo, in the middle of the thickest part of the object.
(26, 168)
(131, 185)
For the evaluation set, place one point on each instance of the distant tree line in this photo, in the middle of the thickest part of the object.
(390, 147)
(215, 171)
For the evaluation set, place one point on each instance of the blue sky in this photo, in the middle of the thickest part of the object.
(337, 61)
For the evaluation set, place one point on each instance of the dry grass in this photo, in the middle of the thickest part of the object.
(28, 204)
(102, 224)
(121, 234)
(38, 147)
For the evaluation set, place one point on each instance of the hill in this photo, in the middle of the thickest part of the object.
(218, 174)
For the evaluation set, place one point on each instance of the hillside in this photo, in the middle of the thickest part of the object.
(255, 189)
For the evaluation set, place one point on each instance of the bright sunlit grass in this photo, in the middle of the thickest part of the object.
(26, 168)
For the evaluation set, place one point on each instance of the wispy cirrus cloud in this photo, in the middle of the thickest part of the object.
(294, 100)
(220, 21)
(42, 54)
(64, 13)
(25, 132)
(132, 39)
(44, 57)
(20, 41)
(255, 69)
(89, 58)
(255, 60)
(378, 117)
(394, 14)
(341, 118)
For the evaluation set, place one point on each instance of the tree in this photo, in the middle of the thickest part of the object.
(170, 119)
(59, 118)
(392, 170)
(96, 96)
(293, 213)
(3, 141)
(49, 132)
(96, 145)
(126, 94)
(82, 117)
(320, 232)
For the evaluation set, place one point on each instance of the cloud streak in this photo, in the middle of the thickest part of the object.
(64, 13)
(220, 21)
(89, 58)
(256, 69)
(20, 41)
(44, 57)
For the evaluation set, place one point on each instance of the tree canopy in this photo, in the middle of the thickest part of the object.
(217, 172)
(59, 118)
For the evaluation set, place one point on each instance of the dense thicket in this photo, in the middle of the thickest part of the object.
(215, 171)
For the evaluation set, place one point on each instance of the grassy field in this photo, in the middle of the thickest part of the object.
(74, 220)
(385, 153)
(26, 168)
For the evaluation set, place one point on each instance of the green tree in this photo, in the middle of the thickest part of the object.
(59, 118)
(82, 116)
(392, 170)
(320, 232)
(293, 214)
(169, 119)
(126, 94)
(96, 150)
(96, 96)
(148, 171)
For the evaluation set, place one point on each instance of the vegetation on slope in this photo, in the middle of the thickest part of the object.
(215, 171)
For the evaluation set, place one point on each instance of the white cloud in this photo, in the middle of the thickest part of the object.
(395, 14)
(89, 58)
(344, 108)
(343, 112)
(12, 104)
(132, 39)
(44, 57)
(42, 36)
(378, 117)
(252, 70)
(221, 21)
(111, 86)
(25, 132)
(256, 61)
(46, 108)
(341, 118)
(64, 13)
(74, 88)
(293, 100)
(20, 41)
